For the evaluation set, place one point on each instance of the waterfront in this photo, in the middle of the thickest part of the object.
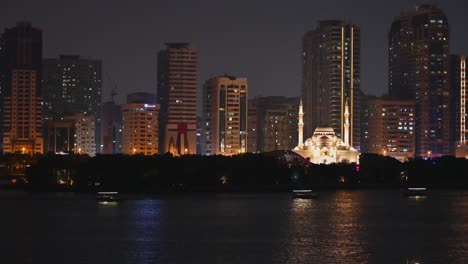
(378, 226)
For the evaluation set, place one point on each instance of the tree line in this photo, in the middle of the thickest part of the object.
(274, 171)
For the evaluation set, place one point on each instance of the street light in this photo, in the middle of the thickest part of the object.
(134, 151)
(24, 149)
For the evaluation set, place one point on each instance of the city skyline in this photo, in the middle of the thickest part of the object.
(206, 131)
(236, 48)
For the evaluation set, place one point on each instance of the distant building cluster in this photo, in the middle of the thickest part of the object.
(55, 104)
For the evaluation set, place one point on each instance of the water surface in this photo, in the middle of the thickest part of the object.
(339, 227)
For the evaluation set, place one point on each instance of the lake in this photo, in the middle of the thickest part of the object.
(345, 226)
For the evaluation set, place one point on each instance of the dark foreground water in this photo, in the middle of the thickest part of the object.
(339, 227)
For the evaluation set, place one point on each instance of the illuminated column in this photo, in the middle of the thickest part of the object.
(301, 126)
(346, 124)
(462, 100)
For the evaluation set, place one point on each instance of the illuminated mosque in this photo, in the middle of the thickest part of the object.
(324, 147)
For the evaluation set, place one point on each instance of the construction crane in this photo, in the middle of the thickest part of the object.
(113, 91)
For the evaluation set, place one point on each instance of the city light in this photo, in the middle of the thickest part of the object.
(226, 166)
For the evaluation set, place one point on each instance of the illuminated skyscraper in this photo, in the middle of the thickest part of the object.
(331, 76)
(419, 65)
(140, 124)
(225, 114)
(20, 89)
(177, 96)
(458, 104)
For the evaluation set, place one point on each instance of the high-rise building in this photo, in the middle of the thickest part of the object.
(390, 129)
(20, 89)
(274, 123)
(85, 141)
(72, 85)
(252, 125)
(140, 124)
(225, 114)
(419, 65)
(111, 128)
(330, 77)
(177, 96)
(458, 104)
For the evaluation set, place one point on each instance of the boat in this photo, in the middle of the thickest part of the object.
(304, 194)
(415, 192)
(107, 196)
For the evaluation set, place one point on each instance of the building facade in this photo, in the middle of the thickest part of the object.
(331, 76)
(177, 96)
(391, 128)
(74, 134)
(140, 118)
(252, 125)
(111, 128)
(419, 65)
(85, 131)
(272, 123)
(61, 136)
(225, 114)
(20, 89)
(72, 85)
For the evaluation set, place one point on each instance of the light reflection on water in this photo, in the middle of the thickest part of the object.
(141, 241)
(326, 230)
(338, 227)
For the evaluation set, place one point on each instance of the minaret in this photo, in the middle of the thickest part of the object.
(300, 125)
(346, 124)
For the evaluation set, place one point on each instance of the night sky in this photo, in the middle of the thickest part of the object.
(260, 40)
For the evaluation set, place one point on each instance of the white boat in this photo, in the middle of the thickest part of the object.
(414, 192)
(107, 196)
(304, 194)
